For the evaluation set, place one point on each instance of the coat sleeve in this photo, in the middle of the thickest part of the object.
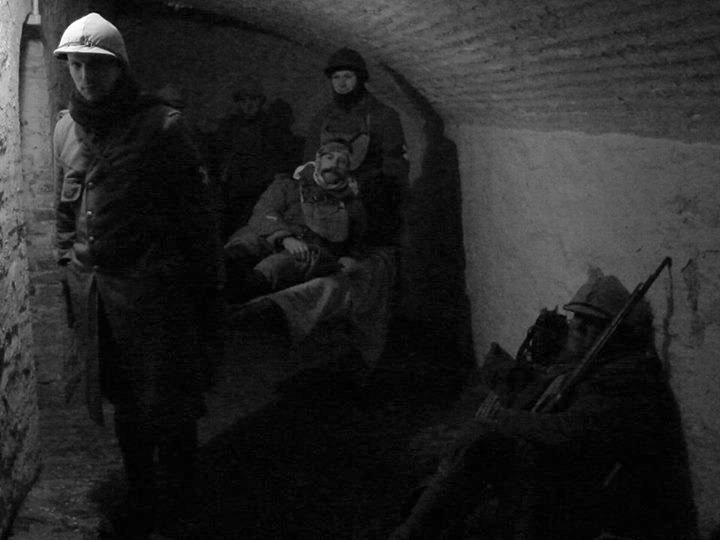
(64, 211)
(268, 219)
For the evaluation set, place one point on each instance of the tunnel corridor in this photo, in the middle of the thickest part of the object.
(544, 139)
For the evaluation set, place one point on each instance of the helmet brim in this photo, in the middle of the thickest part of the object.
(62, 51)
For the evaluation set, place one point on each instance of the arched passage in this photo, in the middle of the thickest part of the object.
(587, 135)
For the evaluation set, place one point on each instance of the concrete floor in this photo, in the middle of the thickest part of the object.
(287, 451)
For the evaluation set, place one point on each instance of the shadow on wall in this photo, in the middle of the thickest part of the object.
(433, 265)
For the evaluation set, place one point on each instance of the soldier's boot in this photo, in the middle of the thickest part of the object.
(177, 464)
(137, 514)
(243, 283)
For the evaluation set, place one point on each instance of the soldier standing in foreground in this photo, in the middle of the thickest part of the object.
(139, 255)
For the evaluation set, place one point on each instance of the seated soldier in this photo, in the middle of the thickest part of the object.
(609, 459)
(301, 228)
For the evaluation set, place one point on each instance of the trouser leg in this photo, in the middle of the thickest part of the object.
(135, 437)
(438, 507)
(137, 446)
(461, 481)
(177, 456)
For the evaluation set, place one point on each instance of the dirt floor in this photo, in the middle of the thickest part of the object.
(290, 448)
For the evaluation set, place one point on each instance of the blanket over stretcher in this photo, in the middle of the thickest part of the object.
(363, 297)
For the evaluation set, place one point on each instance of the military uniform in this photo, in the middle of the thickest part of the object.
(140, 255)
(610, 459)
(380, 168)
(330, 222)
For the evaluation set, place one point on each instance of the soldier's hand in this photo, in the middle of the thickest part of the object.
(299, 249)
(349, 264)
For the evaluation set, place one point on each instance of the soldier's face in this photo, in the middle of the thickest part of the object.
(95, 75)
(343, 81)
(333, 165)
(582, 333)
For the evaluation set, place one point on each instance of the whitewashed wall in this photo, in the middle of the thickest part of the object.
(539, 209)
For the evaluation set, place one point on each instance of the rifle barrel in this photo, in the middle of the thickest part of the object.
(588, 359)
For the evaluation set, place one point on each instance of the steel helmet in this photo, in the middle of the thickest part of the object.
(347, 59)
(92, 34)
(600, 296)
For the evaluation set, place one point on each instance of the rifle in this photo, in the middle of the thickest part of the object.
(558, 389)
(551, 399)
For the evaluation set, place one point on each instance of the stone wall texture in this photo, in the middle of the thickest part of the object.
(18, 403)
(45, 88)
(49, 325)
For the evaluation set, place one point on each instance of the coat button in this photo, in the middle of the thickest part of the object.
(91, 239)
(96, 268)
(90, 185)
(89, 213)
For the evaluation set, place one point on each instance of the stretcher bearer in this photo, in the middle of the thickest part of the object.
(139, 256)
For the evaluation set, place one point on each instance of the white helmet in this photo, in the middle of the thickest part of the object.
(92, 35)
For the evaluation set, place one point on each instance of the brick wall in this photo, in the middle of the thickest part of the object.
(45, 90)
(18, 403)
(47, 87)
(647, 67)
(49, 327)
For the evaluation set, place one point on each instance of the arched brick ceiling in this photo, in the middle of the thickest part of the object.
(648, 67)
